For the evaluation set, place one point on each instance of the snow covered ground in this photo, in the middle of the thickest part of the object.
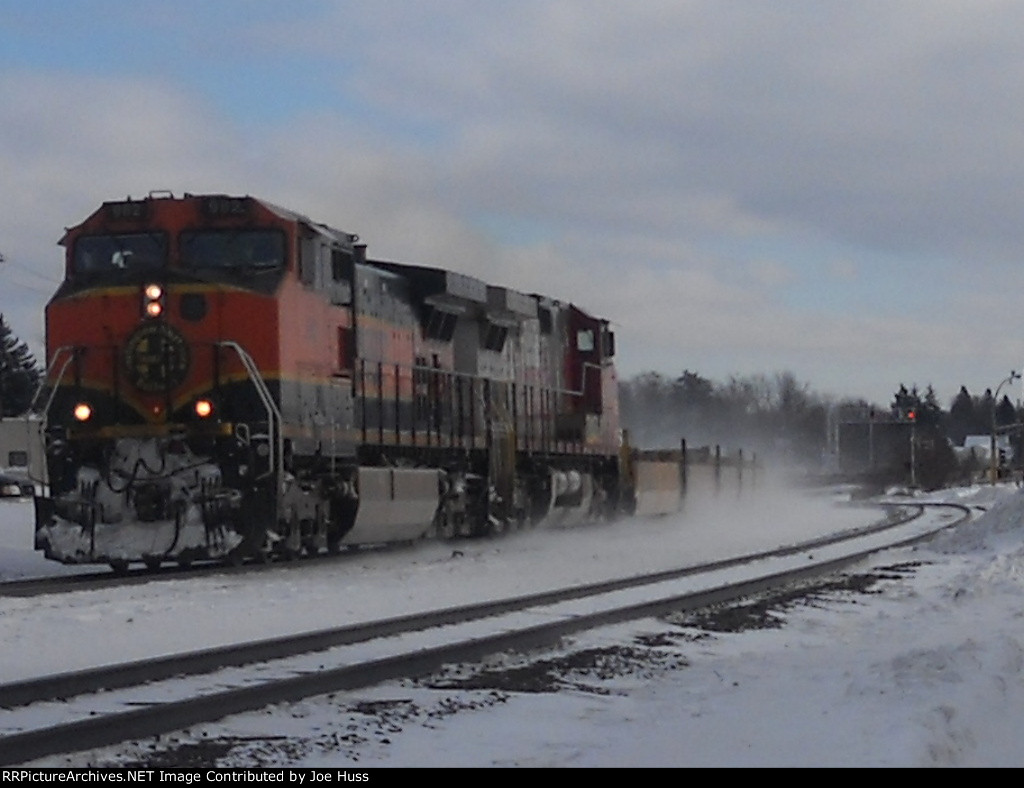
(922, 667)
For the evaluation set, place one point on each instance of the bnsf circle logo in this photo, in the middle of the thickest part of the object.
(156, 358)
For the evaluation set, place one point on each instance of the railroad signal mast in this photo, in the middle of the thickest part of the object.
(911, 416)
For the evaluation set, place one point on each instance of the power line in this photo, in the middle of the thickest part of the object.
(17, 273)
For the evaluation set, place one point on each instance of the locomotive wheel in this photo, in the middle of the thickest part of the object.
(310, 547)
(290, 546)
(314, 537)
(119, 567)
(445, 528)
(254, 545)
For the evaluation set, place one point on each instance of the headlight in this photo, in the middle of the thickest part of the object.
(153, 300)
(83, 411)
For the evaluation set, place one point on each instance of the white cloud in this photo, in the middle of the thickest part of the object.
(634, 158)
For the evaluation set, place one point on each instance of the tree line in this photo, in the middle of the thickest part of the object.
(767, 414)
(780, 415)
(20, 375)
(771, 415)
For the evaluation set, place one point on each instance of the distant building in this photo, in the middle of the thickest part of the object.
(21, 446)
(980, 447)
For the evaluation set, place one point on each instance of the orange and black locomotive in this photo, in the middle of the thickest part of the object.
(229, 379)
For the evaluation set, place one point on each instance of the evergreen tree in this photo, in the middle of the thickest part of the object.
(760, 414)
(19, 374)
(1005, 413)
(984, 412)
(929, 410)
(694, 390)
(924, 409)
(961, 417)
(932, 456)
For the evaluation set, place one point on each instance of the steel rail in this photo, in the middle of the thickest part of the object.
(110, 677)
(107, 729)
(91, 579)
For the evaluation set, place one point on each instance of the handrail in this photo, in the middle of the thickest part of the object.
(585, 365)
(368, 371)
(276, 444)
(53, 392)
(70, 351)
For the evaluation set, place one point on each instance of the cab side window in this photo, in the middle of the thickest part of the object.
(309, 260)
(340, 282)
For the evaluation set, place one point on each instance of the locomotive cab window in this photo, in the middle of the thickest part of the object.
(546, 320)
(585, 341)
(307, 261)
(98, 254)
(493, 336)
(315, 257)
(340, 283)
(232, 249)
(342, 265)
(608, 351)
(440, 324)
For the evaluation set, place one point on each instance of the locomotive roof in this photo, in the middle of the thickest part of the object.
(284, 213)
(438, 286)
(339, 235)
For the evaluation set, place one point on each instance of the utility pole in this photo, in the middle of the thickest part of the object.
(993, 458)
(913, 450)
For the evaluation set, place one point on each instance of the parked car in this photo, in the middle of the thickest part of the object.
(13, 486)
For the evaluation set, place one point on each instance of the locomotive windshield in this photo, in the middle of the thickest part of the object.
(220, 249)
(110, 253)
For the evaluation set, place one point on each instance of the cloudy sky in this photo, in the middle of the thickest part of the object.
(825, 187)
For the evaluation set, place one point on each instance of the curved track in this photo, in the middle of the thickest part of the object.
(146, 698)
(91, 578)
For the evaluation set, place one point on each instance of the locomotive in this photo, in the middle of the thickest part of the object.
(227, 379)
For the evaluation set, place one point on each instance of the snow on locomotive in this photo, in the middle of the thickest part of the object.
(228, 379)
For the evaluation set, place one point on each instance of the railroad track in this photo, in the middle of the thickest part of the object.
(104, 706)
(92, 579)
